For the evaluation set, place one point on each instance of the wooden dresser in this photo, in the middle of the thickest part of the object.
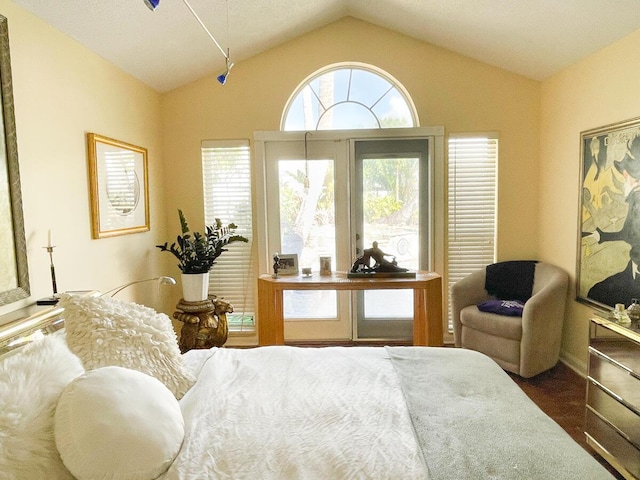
(612, 423)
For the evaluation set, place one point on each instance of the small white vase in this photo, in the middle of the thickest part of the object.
(195, 286)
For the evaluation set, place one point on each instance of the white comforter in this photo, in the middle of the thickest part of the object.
(287, 413)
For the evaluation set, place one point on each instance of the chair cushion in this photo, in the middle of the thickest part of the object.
(492, 323)
(510, 308)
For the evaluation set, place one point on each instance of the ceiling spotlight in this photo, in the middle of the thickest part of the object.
(152, 4)
(222, 78)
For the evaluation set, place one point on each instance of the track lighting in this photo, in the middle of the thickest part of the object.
(152, 4)
(222, 78)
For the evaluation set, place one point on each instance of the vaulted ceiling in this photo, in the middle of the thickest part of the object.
(168, 48)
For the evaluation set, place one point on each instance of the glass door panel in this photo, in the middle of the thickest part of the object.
(307, 229)
(305, 196)
(391, 192)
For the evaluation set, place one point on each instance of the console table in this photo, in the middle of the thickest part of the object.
(427, 301)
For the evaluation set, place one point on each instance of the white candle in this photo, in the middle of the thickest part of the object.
(50, 244)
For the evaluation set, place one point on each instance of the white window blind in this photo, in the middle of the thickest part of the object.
(471, 206)
(226, 171)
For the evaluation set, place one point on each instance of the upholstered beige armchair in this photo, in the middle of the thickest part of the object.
(526, 345)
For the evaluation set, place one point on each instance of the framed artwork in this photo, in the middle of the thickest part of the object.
(609, 237)
(119, 187)
(288, 264)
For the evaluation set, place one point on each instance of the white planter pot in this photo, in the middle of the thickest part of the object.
(195, 286)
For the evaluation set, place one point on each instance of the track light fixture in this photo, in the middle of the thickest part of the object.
(152, 4)
(222, 78)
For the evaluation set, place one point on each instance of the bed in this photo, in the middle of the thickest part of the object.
(110, 396)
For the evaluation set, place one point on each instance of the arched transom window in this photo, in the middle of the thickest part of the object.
(349, 96)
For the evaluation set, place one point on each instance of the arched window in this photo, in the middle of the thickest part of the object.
(349, 96)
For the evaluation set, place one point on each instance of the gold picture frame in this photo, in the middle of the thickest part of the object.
(119, 187)
(609, 222)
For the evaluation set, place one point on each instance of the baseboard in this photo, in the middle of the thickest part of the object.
(574, 363)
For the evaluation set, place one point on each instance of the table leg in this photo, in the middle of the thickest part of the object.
(427, 314)
(270, 314)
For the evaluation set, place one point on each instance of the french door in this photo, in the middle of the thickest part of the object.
(306, 193)
(334, 195)
(390, 206)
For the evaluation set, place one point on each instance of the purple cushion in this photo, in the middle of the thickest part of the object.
(510, 308)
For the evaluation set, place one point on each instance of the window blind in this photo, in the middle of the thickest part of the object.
(226, 172)
(472, 185)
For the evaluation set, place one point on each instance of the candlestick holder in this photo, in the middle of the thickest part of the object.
(52, 300)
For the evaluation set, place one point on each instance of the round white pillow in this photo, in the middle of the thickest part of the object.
(117, 423)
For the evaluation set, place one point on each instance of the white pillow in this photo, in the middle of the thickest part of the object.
(31, 381)
(104, 331)
(116, 423)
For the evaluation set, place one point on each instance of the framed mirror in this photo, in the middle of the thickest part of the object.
(14, 276)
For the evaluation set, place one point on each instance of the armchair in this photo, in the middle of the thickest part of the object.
(526, 345)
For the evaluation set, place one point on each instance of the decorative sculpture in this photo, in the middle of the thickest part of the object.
(205, 323)
(362, 265)
(276, 264)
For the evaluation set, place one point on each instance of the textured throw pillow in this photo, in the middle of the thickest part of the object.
(116, 423)
(510, 308)
(104, 331)
(31, 381)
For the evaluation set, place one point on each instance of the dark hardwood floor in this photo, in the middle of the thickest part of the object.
(560, 393)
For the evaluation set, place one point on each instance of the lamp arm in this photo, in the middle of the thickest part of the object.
(206, 29)
(163, 280)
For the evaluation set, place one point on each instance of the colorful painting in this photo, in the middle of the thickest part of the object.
(609, 250)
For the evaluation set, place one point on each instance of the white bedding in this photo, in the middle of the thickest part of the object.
(262, 413)
(367, 413)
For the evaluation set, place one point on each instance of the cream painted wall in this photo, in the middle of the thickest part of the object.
(597, 91)
(456, 92)
(62, 91)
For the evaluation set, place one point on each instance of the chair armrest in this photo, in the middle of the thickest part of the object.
(468, 291)
(542, 322)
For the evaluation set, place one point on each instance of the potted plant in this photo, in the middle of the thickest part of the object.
(197, 253)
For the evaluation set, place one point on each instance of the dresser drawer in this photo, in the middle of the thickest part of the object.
(621, 417)
(624, 452)
(615, 378)
(619, 348)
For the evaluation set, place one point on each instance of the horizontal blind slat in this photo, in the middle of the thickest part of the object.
(226, 172)
(472, 206)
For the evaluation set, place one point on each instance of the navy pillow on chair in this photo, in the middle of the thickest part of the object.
(510, 308)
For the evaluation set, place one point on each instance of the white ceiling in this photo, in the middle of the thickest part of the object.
(168, 48)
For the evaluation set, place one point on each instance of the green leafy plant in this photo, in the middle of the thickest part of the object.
(197, 253)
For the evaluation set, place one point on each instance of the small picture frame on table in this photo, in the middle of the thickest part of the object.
(288, 264)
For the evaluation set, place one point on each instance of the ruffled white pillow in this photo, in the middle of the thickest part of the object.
(104, 331)
(31, 381)
(118, 424)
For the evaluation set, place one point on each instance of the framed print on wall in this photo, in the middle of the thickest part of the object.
(119, 187)
(609, 238)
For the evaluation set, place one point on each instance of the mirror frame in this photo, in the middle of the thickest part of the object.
(13, 171)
